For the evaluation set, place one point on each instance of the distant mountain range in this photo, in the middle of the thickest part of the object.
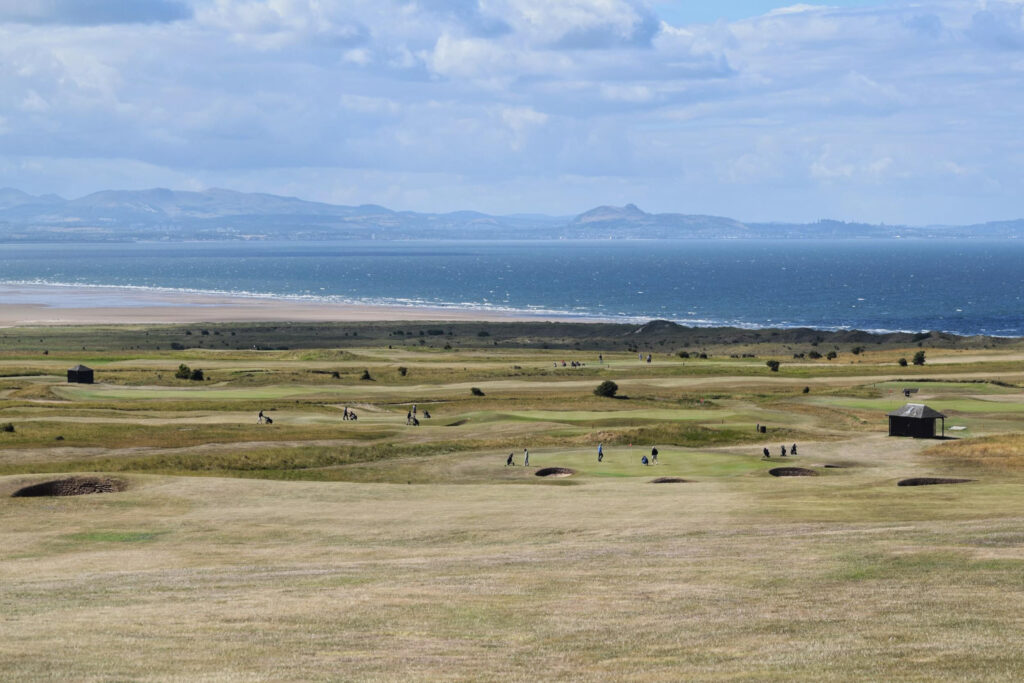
(159, 214)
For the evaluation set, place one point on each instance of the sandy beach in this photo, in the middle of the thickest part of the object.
(62, 305)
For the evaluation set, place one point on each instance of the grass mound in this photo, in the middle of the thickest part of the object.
(670, 480)
(73, 486)
(929, 481)
(555, 472)
(792, 472)
(1001, 451)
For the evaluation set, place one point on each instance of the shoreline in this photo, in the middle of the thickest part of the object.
(37, 304)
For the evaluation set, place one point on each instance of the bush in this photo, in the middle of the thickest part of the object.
(483, 333)
(919, 358)
(857, 350)
(197, 375)
(177, 346)
(683, 354)
(807, 390)
(335, 375)
(607, 389)
(402, 370)
(6, 427)
(435, 333)
(832, 355)
(814, 355)
(183, 372)
(773, 365)
(476, 391)
(902, 362)
(366, 375)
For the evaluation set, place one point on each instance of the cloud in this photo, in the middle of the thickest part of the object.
(907, 111)
(92, 12)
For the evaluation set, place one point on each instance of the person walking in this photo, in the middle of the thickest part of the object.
(600, 452)
(259, 418)
(792, 451)
(526, 457)
(511, 462)
(766, 453)
(783, 448)
(654, 455)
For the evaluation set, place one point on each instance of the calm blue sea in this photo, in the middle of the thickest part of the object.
(966, 287)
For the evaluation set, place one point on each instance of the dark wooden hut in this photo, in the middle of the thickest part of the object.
(80, 375)
(916, 420)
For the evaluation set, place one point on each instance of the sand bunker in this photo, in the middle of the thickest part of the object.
(669, 480)
(792, 472)
(73, 486)
(555, 472)
(928, 481)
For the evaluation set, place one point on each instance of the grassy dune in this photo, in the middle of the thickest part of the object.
(322, 549)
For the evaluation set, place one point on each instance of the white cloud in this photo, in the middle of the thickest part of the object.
(801, 113)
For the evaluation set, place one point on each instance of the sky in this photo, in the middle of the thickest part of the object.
(905, 112)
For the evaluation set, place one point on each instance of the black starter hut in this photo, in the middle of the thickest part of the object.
(916, 420)
(80, 375)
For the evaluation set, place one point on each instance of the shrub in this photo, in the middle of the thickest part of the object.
(6, 427)
(607, 389)
(683, 354)
(902, 362)
(773, 365)
(447, 347)
(366, 375)
(176, 346)
(704, 356)
(857, 350)
(807, 390)
(483, 333)
(832, 355)
(435, 332)
(402, 370)
(919, 358)
(476, 391)
(814, 355)
(183, 372)
(197, 375)
(335, 375)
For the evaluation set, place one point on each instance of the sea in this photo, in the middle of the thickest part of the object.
(960, 286)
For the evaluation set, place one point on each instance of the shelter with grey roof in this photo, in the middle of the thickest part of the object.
(916, 420)
(80, 375)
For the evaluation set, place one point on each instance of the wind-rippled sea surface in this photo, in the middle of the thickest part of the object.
(965, 286)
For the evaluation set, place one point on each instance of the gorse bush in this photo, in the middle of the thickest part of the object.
(607, 389)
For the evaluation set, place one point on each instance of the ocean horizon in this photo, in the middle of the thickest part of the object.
(960, 287)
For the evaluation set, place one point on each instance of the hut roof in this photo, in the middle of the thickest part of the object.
(916, 410)
(79, 368)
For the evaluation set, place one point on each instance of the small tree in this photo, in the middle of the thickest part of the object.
(773, 365)
(683, 354)
(196, 375)
(607, 389)
(831, 355)
(184, 372)
(476, 391)
(902, 362)
(814, 355)
(366, 375)
(919, 358)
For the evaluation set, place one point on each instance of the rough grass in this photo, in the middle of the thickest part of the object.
(1000, 452)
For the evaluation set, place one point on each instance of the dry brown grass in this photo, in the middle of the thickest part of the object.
(1001, 451)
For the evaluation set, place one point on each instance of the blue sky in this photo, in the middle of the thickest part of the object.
(897, 112)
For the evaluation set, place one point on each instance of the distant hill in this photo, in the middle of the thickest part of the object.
(162, 214)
